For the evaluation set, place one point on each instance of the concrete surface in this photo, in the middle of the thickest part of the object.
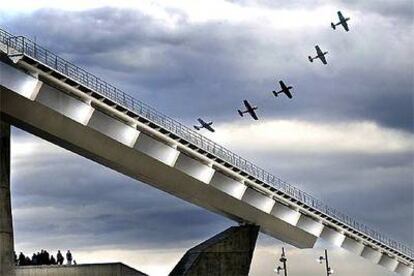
(107, 269)
(6, 223)
(228, 253)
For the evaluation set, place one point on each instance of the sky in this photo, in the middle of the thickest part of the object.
(346, 137)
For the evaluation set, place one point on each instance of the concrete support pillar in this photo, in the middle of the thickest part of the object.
(6, 224)
(228, 253)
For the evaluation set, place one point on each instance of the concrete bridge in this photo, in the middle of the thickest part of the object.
(50, 97)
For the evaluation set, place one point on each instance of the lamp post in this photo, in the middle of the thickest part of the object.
(283, 260)
(329, 270)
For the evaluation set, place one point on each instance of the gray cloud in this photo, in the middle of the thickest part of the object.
(206, 69)
(399, 9)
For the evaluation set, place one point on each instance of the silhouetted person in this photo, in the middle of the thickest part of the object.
(22, 258)
(59, 258)
(52, 260)
(69, 257)
(34, 259)
(38, 259)
(46, 259)
(27, 261)
(41, 257)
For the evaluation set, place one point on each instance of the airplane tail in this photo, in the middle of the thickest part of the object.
(197, 128)
(333, 25)
(310, 58)
(274, 93)
(240, 113)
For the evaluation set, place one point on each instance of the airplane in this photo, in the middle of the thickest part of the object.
(321, 55)
(342, 21)
(285, 89)
(249, 109)
(204, 125)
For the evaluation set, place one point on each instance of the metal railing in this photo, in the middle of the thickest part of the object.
(22, 45)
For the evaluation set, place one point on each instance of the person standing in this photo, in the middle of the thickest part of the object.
(52, 260)
(69, 258)
(22, 259)
(59, 258)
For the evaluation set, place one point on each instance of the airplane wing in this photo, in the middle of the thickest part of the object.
(345, 25)
(201, 121)
(285, 89)
(253, 114)
(207, 126)
(287, 92)
(341, 17)
(247, 105)
(318, 50)
(323, 59)
(250, 110)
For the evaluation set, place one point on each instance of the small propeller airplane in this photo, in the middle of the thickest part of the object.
(285, 89)
(320, 55)
(342, 21)
(204, 125)
(249, 109)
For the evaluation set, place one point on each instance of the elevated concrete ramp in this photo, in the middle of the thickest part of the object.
(108, 269)
(228, 253)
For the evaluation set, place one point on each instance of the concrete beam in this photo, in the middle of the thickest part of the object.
(353, 246)
(371, 254)
(332, 236)
(113, 128)
(258, 200)
(310, 225)
(194, 168)
(156, 149)
(6, 222)
(71, 107)
(16, 80)
(285, 213)
(404, 270)
(388, 262)
(228, 185)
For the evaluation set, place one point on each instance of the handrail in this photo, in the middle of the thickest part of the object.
(29, 48)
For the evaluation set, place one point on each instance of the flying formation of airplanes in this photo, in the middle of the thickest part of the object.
(249, 109)
(204, 125)
(319, 54)
(285, 90)
(342, 21)
(283, 87)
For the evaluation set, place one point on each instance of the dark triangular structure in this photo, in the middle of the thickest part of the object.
(228, 253)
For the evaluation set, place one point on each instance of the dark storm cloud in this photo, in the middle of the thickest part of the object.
(208, 68)
(398, 9)
(59, 194)
(375, 189)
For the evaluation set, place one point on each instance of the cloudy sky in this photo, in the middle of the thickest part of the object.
(346, 137)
